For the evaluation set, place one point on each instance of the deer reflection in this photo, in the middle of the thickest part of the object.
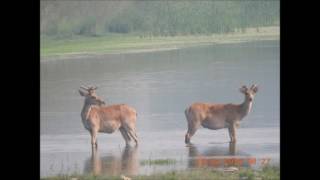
(232, 148)
(127, 163)
(217, 157)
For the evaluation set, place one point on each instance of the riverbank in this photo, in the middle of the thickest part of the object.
(128, 43)
(201, 174)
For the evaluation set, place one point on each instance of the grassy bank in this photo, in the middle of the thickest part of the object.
(126, 43)
(158, 162)
(200, 174)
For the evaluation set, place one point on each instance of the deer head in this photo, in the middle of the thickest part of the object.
(249, 93)
(90, 96)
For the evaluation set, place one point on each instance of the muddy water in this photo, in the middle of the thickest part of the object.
(160, 85)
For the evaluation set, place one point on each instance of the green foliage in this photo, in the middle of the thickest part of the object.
(121, 43)
(64, 29)
(85, 26)
(158, 162)
(199, 174)
(155, 18)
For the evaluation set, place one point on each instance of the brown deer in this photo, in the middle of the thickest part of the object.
(98, 117)
(218, 116)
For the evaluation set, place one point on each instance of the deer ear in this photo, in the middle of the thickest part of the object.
(243, 89)
(255, 89)
(82, 93)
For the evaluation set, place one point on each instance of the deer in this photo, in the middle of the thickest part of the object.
(97, 117)
(219, 116)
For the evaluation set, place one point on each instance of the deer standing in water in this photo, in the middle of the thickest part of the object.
(98, 117)
(218, 116)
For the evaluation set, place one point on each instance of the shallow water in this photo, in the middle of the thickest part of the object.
(160, 85)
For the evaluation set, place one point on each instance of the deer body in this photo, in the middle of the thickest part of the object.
(218, 116)
(108, 118)
(98, 117)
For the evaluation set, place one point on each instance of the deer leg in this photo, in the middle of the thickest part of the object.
(229, 130)
(133, 134)
(125, 135)
(192, 128)
(94, 142)
(232, 133)
(189, 135)
(130, 128)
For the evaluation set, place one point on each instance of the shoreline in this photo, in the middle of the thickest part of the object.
(230, 172)
(133, 44)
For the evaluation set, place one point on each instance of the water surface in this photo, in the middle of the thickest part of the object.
(160, 85)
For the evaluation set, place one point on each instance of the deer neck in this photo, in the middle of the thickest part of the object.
(85, 111)
(245, 107)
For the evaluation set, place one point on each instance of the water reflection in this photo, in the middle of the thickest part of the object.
(232, 148)
(127, 163)
(218, 156)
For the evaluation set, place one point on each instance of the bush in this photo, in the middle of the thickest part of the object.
(64, 29)
(119, 28)
(52, 29)
(86, 27)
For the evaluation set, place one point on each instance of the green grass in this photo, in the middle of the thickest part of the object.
(158, 162)
(267, 173)
(122, 43)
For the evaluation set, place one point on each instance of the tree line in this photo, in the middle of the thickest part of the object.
(154, 18)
